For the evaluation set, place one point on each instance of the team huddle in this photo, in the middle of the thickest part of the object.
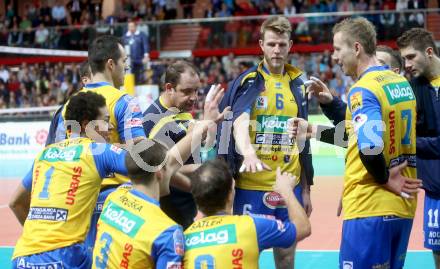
(118, 188)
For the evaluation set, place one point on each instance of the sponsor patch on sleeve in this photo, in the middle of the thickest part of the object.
(174, 265)
(133, 122)
(116, 149)
(355, 101)
(179, 247)
(359, 120)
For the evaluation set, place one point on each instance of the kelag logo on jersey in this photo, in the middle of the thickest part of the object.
(121, 219)
(222, 235)
(276, 124)
(398, 92)
(67, 154)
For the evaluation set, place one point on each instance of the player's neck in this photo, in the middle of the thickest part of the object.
(102, 77)
(152, 190)
(434, 71)
(166, 101)
(272, 70)
(365, 62)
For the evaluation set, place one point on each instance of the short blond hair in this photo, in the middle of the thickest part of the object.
(277, 24)
(358, 30)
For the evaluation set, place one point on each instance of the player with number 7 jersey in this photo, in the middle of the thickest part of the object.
(64, 183)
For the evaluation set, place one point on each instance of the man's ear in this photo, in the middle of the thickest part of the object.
(168, 87)
(429, 52)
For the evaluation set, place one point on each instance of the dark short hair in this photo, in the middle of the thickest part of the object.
(84, 70)
(84, 106)
(152, 153)
(418, 38)
(175, 70)
(211, 185)
(101, 50)
(396, 58)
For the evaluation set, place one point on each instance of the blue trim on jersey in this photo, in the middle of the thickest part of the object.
(374, 68)
(27, 180)
(144, 196)
(274, 233)
(97, 85)
(168, 247)
(264, 68)
(125, 118)
(108, 160)
(367, 120)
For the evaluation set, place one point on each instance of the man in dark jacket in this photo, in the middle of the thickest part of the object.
(422, 60)
(139, 50)
(263, 99)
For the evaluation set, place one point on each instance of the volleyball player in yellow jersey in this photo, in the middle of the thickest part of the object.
(221, 240)
(108, 62)
(380, 168)
(262, 99)
(64, 185)
(133, 231)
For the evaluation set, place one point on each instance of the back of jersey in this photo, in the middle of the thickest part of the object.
(363, 197)
(65, 187)
(225, 242)
(130, 231)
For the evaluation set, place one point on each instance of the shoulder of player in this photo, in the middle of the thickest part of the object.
(248, 76)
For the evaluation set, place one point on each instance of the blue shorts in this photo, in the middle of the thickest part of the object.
(431, 223)
(91, 235)
(375, 242)
(74, 256)
(263, 203)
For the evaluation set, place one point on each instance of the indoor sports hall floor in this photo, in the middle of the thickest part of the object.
(319, 251)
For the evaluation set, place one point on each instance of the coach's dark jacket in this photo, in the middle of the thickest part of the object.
(428, 135)
(240, 96)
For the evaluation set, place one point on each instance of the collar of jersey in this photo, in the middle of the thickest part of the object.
(292, 71)
(144, 196)
(374, 68)
(97, 84)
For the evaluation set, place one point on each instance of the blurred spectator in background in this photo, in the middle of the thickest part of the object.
(138, 52)
(41, 36)
(15, 37)
(59, 13)
(75, 8)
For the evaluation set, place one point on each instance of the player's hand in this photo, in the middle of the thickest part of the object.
(400, 185)
(212, 101)
(307, 201)
(318, 89)
(299, 128)
(251, 163)
(284, 183)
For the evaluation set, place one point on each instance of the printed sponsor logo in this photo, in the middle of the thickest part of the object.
(47, 213)
(23, 264)
(275, 124)
(174, 265)
(278, 85)
(41, 136)
(280, 226)
(273, 200)
(347, 265)
(261, 102)
(392, 121)
(410, 158)
(134, 122)
(116, 149)
(273, 139)
(6, 139)
(359, 120)
(286, 158)
(68, 154)
(222, 235)
(398, 92)
(355, 101)
(121, 219)
(178, 239)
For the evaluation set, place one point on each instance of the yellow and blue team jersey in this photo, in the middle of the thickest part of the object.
(125, 116)
(231, 242)
(268, 130)
(381, 112)
(64, 184)
(133, 232)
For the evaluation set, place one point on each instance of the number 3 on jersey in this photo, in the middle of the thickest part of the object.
(106, 240)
